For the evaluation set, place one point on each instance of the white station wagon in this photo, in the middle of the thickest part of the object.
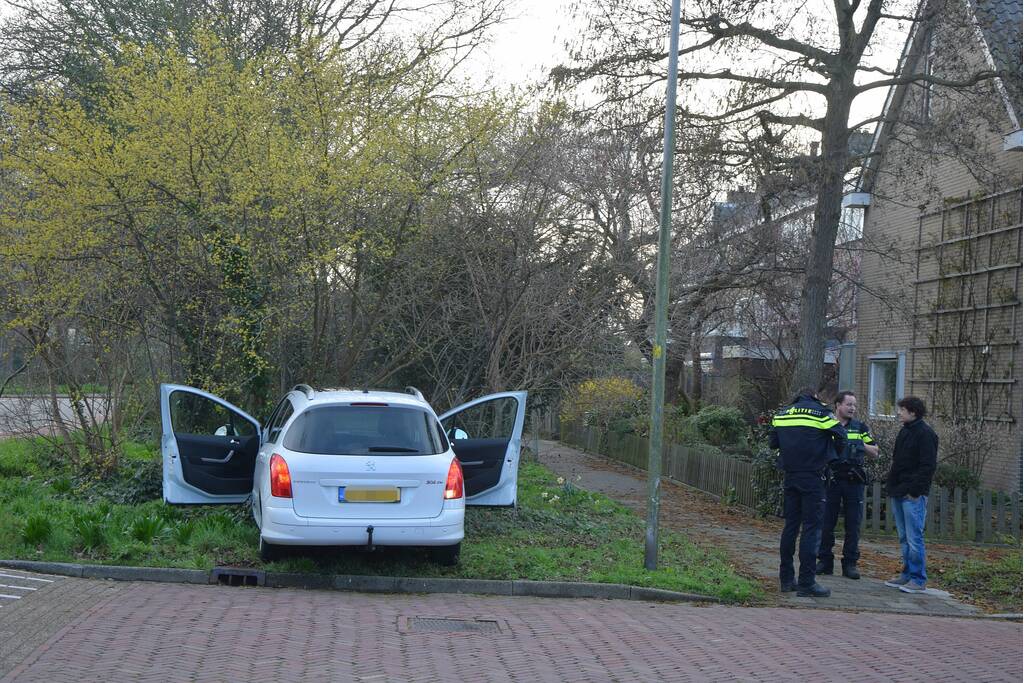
(344, 467)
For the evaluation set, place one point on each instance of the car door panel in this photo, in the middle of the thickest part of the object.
(482, 461)
(486, 435)
(220, 465)
(208, 447)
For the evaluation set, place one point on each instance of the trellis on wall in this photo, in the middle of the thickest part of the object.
(966, 345)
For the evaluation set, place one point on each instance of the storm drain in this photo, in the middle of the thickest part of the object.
(233, 576)
(443, 625)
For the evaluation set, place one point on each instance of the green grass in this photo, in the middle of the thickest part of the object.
(558, 532)
(992, 580)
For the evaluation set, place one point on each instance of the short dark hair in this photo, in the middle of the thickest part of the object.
(805, 391)
(841, 396)
(914, 405)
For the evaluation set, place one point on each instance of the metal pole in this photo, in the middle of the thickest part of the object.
(661, 303)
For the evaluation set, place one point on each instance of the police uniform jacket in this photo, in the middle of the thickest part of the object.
(808, 436)
(851, 460)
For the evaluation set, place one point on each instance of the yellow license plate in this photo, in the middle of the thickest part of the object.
(360, 494)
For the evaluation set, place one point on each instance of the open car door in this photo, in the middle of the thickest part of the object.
(486, 435)
(208, 447)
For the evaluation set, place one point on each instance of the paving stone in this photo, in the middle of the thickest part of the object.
(183, 632)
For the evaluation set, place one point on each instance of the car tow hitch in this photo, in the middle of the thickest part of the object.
(369, 537)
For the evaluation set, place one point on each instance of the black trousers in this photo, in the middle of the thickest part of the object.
(844, 498)
(803, 505)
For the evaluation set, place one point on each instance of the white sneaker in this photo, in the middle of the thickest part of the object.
(897, 582)
(913, 587)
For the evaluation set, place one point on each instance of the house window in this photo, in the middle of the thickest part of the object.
(928, 68)
(885, 384)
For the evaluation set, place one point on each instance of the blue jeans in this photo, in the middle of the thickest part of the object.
(910, 518)
(804, 506)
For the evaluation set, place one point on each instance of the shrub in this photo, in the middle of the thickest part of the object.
(767, 481)
(182, 532)
(721, 425)
(145, 529)
(136, 481)
(37, 530)
(952, 476)
(91, 530)
(602, 401)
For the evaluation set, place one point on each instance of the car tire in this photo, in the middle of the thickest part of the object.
(270, 552)
(447, 555)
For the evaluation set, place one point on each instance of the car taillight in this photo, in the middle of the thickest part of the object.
(280, 478)
(453, 487)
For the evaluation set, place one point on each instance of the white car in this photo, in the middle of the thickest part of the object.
(344, 467)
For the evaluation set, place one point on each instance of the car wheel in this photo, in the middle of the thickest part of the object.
(270, 552)
(447, 555)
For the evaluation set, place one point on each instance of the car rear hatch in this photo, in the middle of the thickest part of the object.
(391, 472)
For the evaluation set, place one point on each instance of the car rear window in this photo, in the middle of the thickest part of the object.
(364, 430)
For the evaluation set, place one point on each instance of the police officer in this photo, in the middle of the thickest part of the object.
(808, 437)
(846, 489)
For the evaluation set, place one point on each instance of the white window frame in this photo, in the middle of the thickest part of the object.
(901, 365)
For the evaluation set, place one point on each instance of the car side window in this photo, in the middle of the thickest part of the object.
(274, 430)
(494, 419)
(195, 414)
(442, 437)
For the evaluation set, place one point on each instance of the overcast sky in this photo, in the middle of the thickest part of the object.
(532, 39)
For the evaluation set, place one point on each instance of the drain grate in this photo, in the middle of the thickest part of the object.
(443, 625)
(234, 576)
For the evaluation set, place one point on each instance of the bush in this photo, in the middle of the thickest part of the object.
(182, 531)
(91, 530)
(145, 529)
(721, 425)
(38, 529)
(950, 476)
(767, 481)
(603, 402)
(135, 481)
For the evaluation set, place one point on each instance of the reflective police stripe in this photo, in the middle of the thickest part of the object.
(804, 421)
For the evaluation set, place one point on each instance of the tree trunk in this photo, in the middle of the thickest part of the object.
(697, 391)
(822, 243)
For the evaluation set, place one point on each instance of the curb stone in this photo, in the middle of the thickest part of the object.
(366, 584)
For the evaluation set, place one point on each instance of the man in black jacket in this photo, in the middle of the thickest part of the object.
(808, 437)
(914, 459)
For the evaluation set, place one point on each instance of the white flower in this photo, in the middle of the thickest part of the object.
(554, 498)
(544, 495)
(560, 480)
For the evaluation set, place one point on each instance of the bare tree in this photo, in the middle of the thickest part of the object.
(773, 70)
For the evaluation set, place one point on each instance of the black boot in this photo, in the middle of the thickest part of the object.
(850, 570)
(787, 586)
(815, 590)
(823, 567)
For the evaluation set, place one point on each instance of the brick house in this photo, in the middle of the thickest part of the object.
(939, 315)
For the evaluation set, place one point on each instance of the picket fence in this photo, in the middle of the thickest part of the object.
(957, 515)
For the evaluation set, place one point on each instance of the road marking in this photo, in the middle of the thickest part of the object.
(11, 597)
(21, 588)
(26, 578)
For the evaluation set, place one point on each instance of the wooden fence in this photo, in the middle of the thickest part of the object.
(958, 515)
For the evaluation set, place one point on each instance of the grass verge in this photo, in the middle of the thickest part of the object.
(558, 532)
(988, 577)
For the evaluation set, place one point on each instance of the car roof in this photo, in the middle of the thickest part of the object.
(324, 396)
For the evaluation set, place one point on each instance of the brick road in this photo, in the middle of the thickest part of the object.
(172, 632)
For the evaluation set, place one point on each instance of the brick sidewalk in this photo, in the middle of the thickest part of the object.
(175, 632)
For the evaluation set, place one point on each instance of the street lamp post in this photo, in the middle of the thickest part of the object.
(661, 303)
